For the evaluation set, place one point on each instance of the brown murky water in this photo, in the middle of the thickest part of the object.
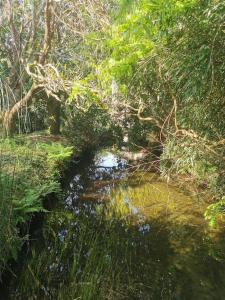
(122, 235)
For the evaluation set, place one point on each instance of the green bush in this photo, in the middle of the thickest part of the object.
(187, 156)
(91, 128)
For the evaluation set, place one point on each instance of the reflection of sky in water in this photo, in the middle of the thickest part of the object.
(76, 182)
(106, 168)
(74, 192)
(109, 160)
(105, 189)
(62, 234)
(144, 228)
(132, 208)
(69, 201)
(126, 200)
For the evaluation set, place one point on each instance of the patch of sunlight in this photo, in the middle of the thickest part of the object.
(146, 195)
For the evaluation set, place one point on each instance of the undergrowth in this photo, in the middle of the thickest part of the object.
(201, 163)
(29, 171)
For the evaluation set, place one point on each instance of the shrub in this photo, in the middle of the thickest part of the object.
(91, 128)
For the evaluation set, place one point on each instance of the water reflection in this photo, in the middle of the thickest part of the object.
(123, 236)
(109, 160)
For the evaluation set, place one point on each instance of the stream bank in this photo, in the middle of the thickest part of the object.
(31, 168)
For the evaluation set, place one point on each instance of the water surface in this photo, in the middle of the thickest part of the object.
(121, 234)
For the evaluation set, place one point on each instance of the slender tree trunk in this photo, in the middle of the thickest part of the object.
(54, 108)
(10, 116)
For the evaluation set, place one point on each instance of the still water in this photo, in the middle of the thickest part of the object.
(121, 234)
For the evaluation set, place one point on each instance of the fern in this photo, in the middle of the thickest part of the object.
(215, 212)
(32, 201)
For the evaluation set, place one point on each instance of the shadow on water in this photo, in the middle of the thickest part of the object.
(123, 236)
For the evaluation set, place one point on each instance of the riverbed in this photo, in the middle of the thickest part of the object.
(122, 233)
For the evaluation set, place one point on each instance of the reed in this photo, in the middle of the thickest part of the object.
(9, 239)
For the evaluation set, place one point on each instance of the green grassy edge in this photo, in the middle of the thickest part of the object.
(30, 169)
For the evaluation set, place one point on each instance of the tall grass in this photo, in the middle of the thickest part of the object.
(9, 238)
(92, 257)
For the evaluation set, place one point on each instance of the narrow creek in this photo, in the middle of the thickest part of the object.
(120, 234)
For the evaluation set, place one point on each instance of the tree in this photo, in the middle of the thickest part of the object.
(22, 41)
(41, 40)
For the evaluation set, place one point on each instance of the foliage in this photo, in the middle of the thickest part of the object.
(138, 132)
(32, 201)
(92, 128)
(194, 158)
(26, 178)
(215, 212)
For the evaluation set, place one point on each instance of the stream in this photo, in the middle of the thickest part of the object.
(122, 234)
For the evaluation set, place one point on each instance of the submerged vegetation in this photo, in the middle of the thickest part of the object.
(142, 76)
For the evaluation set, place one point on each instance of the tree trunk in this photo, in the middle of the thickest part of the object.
(54, 108)
(10, 116)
